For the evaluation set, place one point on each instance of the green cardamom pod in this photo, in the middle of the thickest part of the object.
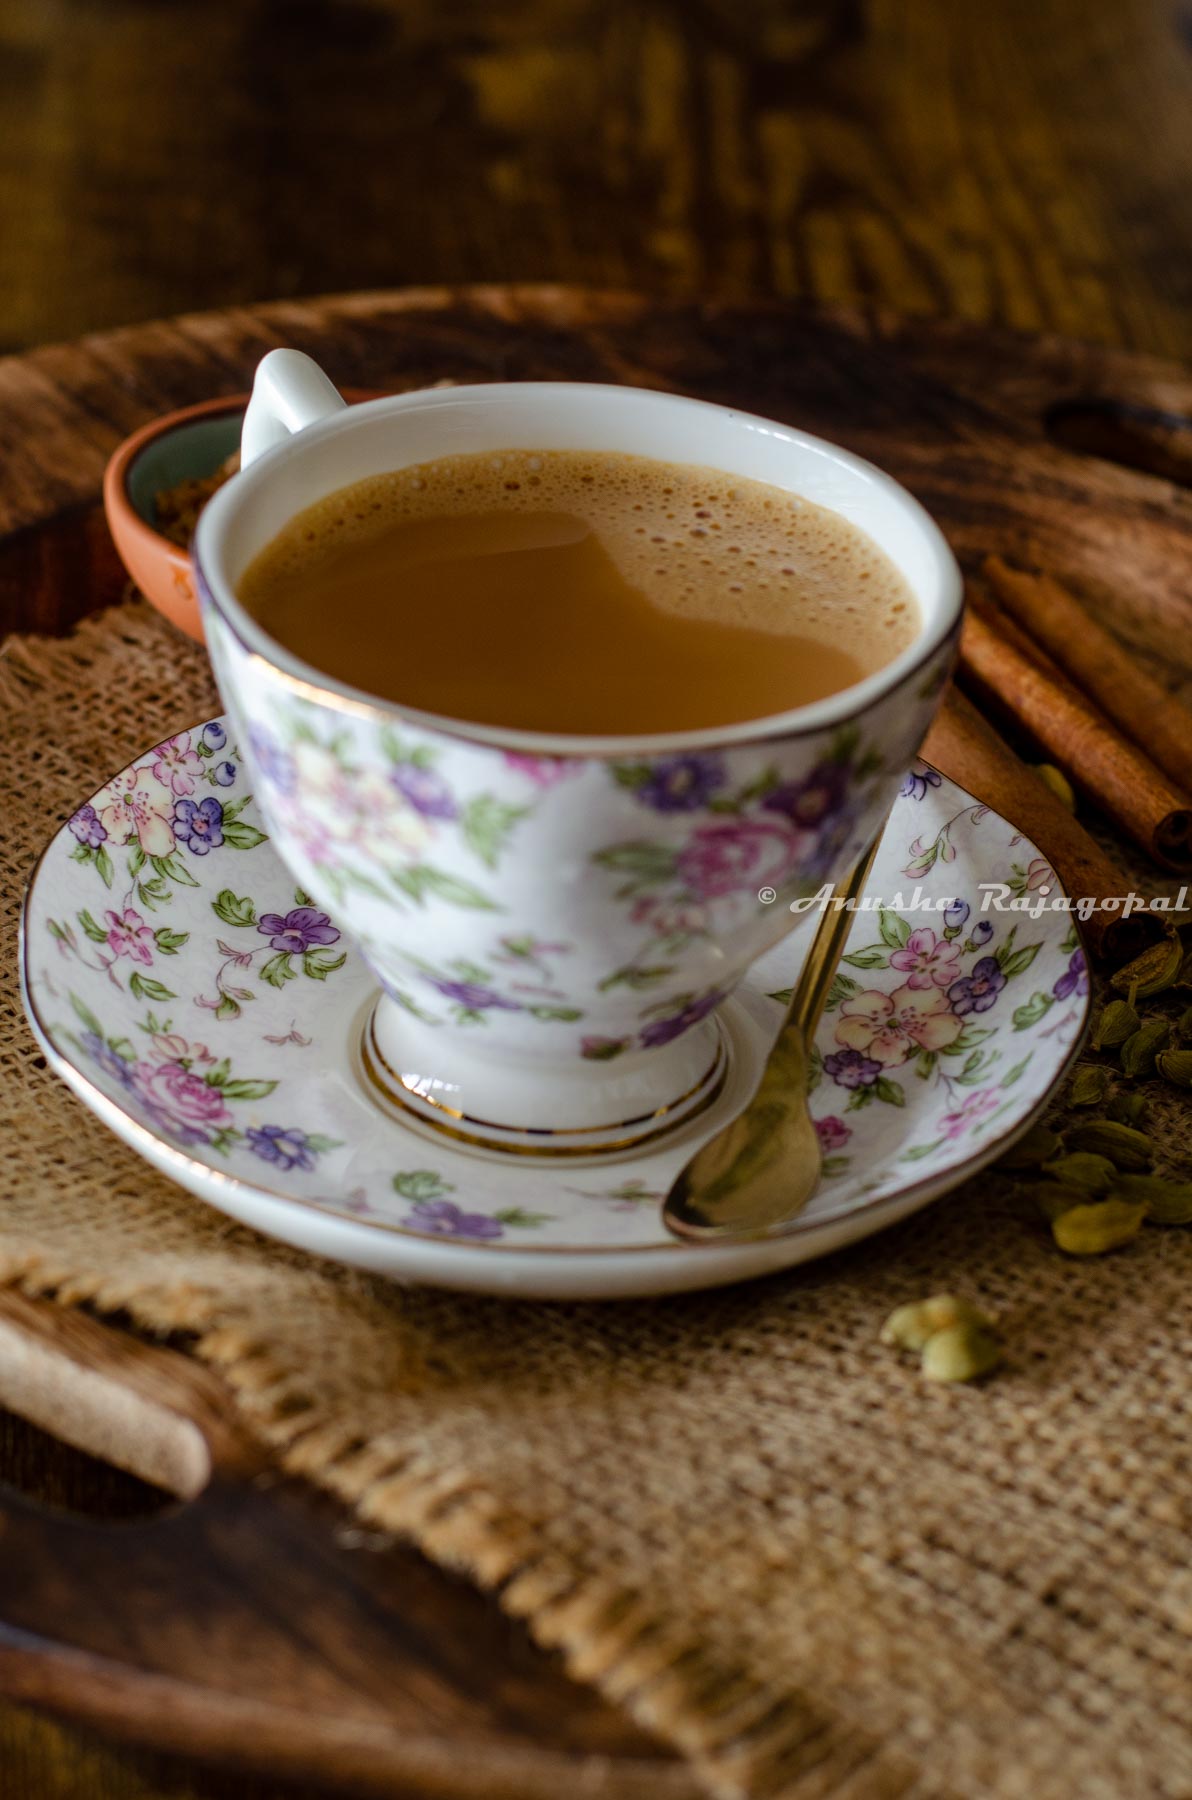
(1117, 1022)
(1139, 1051)
(1167, 1202)
(911, 1325)
(1125, 1147)
(960, 1353)
(1035, 1146)
(1156, 969)
(1058, 782)
(1082, 1169)
(1128, 1109)
(1175, 1066)
(1089, 1086)
(1100, 1226)
(1052, 1198)
(1183, 1025)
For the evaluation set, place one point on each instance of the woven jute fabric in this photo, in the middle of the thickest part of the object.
(751, 1524)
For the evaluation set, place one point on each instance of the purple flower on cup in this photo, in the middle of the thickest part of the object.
(917, 781)
(681, 783)
(275, 764)
(224, 774)
(955, 914)
(833, 1133)
(86, 827)
(473, 995)
(1075, 978)
(664, 1031)
(214, 735)
(282, 1146)
(442, 1218)
(199, 825)
(813, 799)
(298, 930)
(981, 933)
(850, 1069)
(978, 991)
(426, 791)
(738, 854)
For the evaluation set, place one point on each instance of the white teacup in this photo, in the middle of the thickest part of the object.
(555, 921)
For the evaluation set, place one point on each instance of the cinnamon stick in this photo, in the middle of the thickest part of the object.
(979, 603)
(1127, 786)
(1100, 666)
(967, 749)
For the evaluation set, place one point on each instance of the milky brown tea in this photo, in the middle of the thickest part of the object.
(580, 592)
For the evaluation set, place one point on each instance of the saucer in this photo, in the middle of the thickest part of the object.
(213, 1016)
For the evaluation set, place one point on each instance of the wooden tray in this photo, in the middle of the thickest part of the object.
(250, 1623)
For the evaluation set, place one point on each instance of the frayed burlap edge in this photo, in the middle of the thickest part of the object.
(741, 1737)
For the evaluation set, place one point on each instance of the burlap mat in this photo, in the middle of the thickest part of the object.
(737, 1513)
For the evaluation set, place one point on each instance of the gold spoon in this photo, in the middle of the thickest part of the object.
(754, 1178)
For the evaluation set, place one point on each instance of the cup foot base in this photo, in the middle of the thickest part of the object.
(633, 1108)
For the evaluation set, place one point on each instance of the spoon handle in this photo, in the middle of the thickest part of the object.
(754, 1177)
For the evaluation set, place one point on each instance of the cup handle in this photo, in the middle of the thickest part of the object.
(289, 392)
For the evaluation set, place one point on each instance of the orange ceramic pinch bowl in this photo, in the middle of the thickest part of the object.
(185, 445)
(190, 444)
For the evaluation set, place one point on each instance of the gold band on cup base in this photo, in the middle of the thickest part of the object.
(392, 1089)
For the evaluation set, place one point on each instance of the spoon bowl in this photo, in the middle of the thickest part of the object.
(754, 1178)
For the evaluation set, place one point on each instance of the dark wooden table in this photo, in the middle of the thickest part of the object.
(1025, 164)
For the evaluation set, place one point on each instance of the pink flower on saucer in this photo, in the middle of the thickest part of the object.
(182, 1100)
(891, 1028)
(177, 766)
(977, 1106)
(136, 804)
(128, 935)
(927, 960)
(833, 1133)
(170, 1046)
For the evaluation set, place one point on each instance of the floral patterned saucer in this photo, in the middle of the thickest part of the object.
(211, 1015)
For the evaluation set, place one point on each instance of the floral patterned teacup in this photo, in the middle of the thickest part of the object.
(555, 922)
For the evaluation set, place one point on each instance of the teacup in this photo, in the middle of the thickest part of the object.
(556, 923)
